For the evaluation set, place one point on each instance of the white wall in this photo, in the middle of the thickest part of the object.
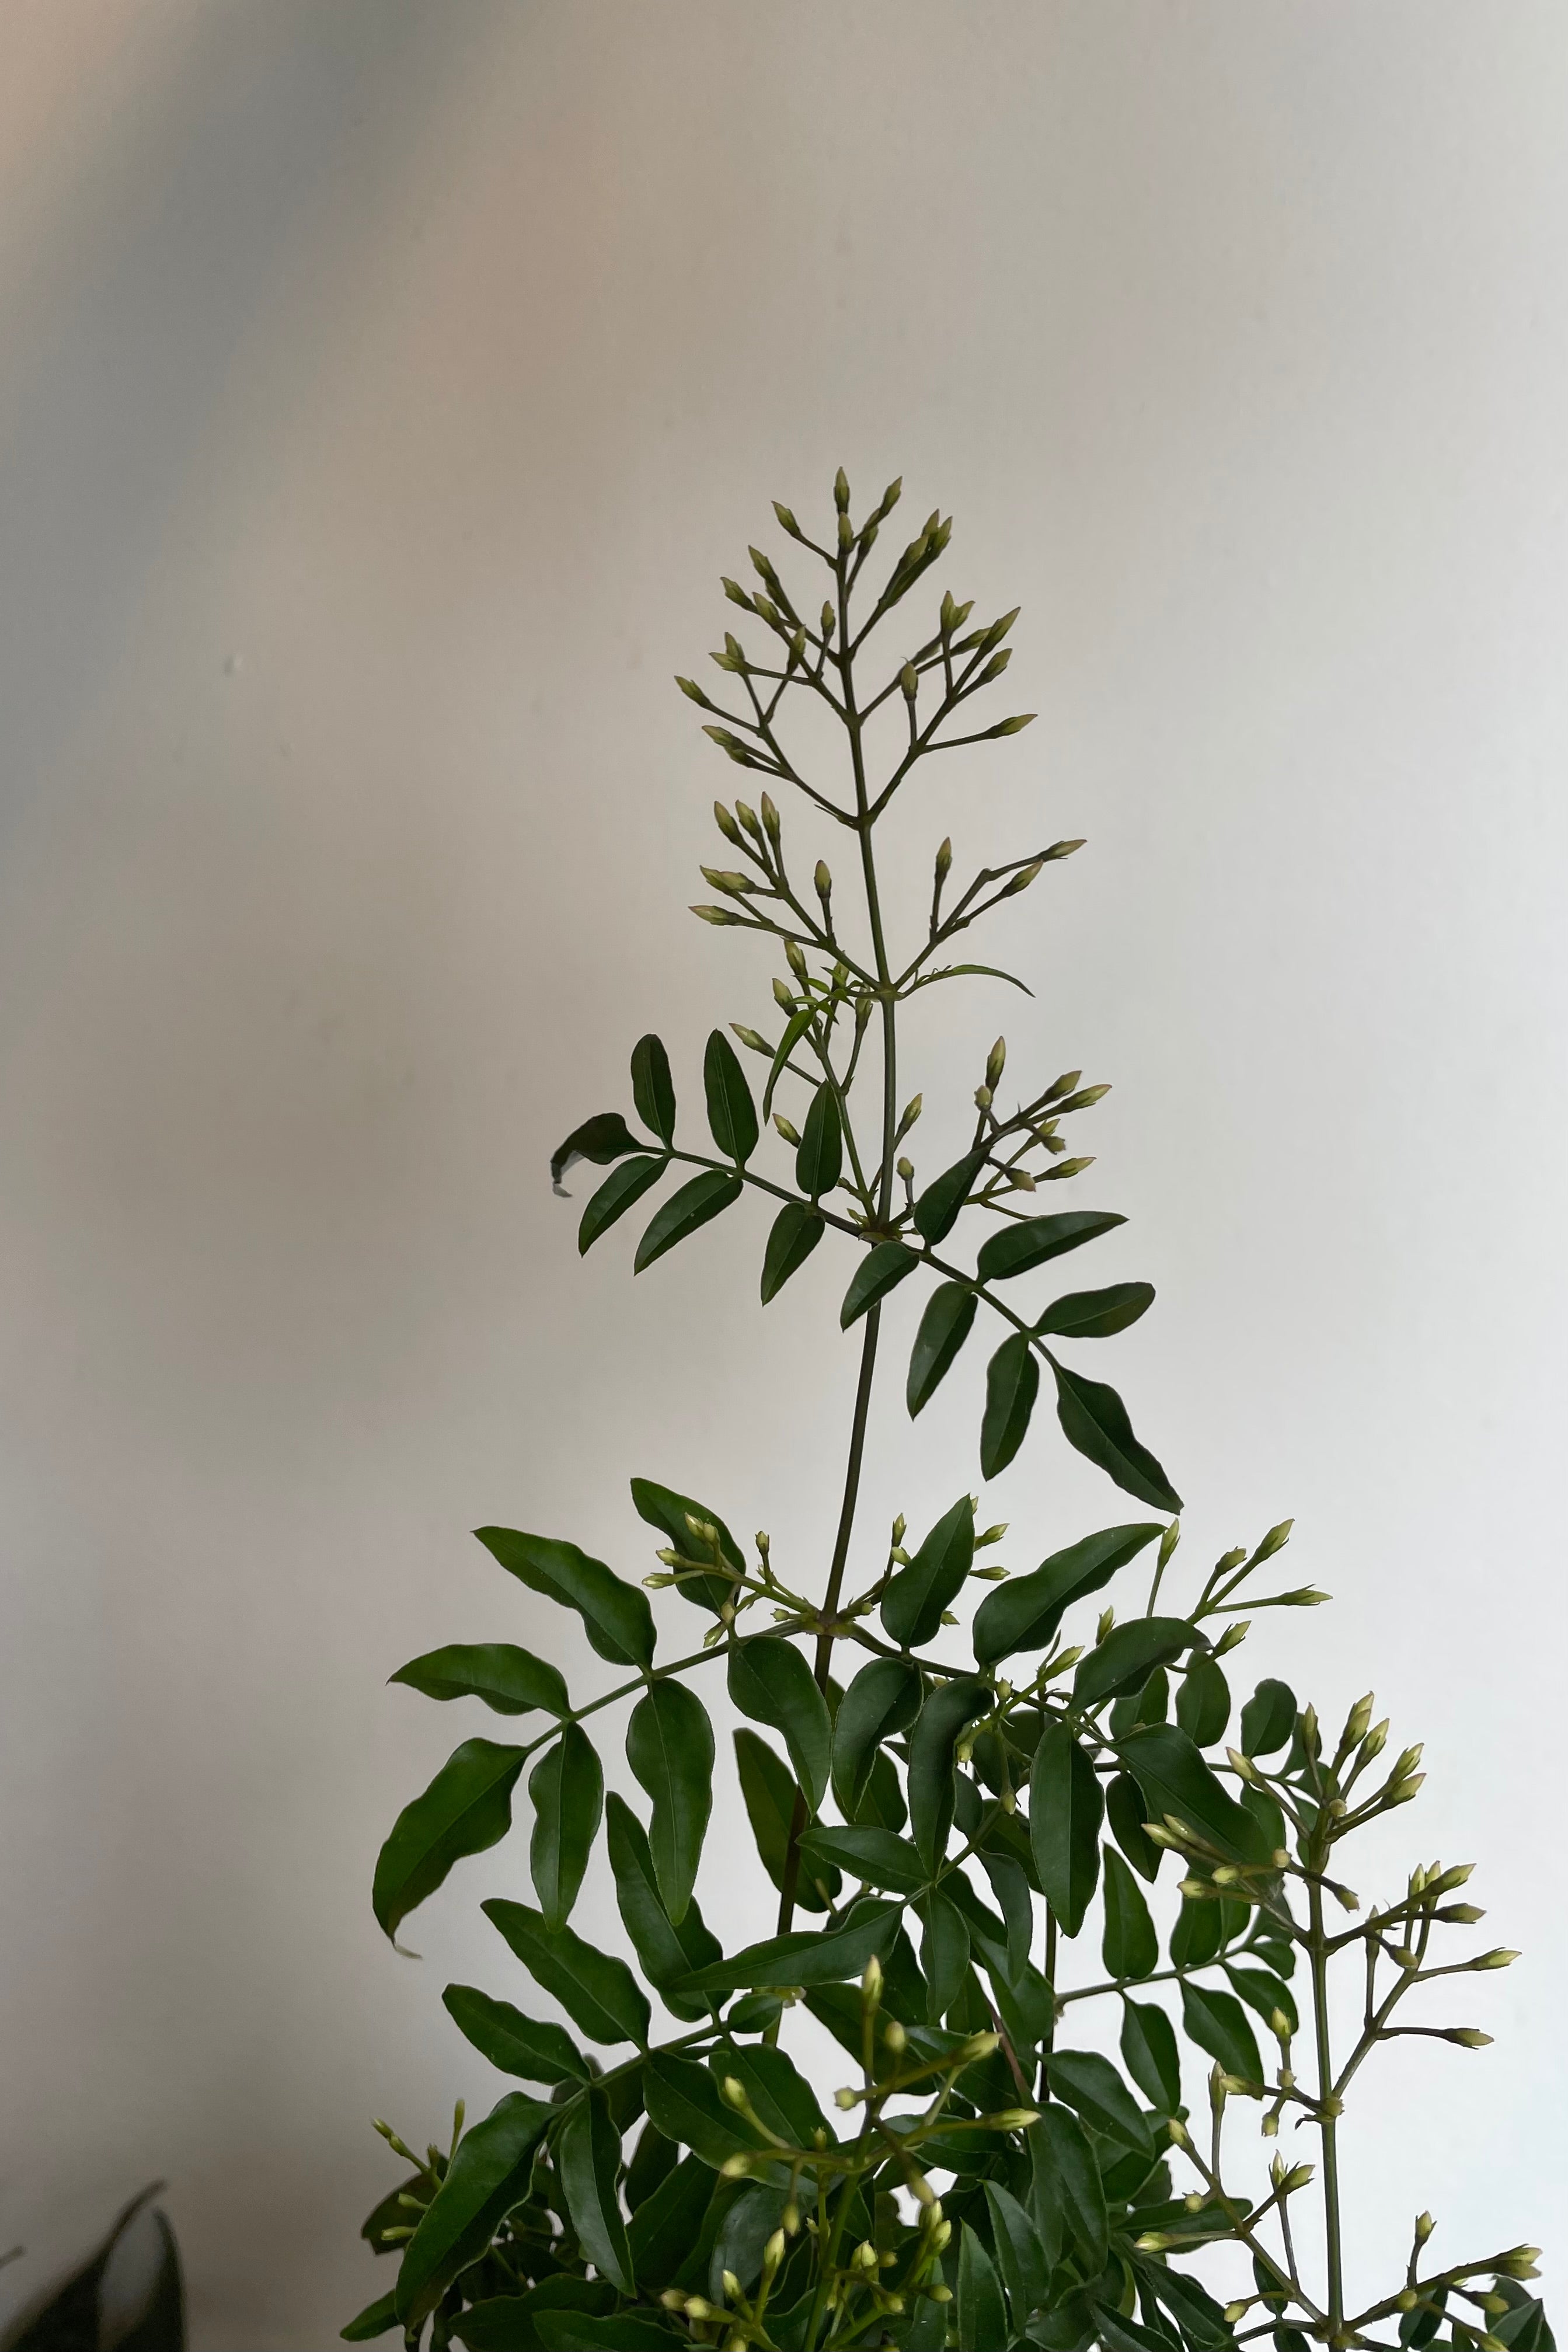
(381, 388)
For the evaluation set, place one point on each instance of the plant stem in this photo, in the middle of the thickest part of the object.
(1328, 2123)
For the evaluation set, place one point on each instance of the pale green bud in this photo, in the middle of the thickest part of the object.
(996, 1062)
(726, 824)
(944, 861)
(786, 1128)
(822, 880)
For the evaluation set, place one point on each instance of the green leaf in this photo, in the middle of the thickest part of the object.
(1018, 1249)
(883, 1700)
(947, 1708)
(1092, 2087)
(1268, 1718)
(1150, 2054)
(668, 1954)
(489, 2174)
(377, 2318)
(390, 2214)
(1176, 1780)
(665, 2225)
(567, 1791)
(465, 1808)
(625, 2331)
(937, 1210)
(781, 2099)
(616, 1616)
(1199, 2320)
(1117, 2333)
(796, 1028)
(653, 1089)
(1012, 1384)
(509, 1680)
(743, 2234)
(1218, 2023)
(516, 2044)
(663, 1509)
(1064, 1811)
(816, 1957)
(944, 1326)
(795, 1231)
(1010, 1884)
(820, 1159)
(732, 1113)
(619, 1192)
(1129, 1655)
(1263, 1993)
(1127, 1808)
(598, 1992)
(1150, 1705)
(770, 1681)
(1020, 2257)
(587, 2159)
(1197, 1932)
(768, 1788)
(982, 2313)
(875, 1276)
(875, 1855)
(602, 1138)
(882, 1806)
(913, 1603)
(684, 2101)
(1025, 1613)
(1067, 2191)
(1094, 1420)
(509, 2323)
(1202, 1702)
(1095, 1314)
(944, 1952)
(706, 1196)
(1130, 1947)
(669, 1747)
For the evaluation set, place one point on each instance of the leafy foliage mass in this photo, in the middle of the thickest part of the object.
(946, 1825)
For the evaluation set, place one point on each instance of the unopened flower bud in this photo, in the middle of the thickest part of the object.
(894, 2036)
(786, 1128)
(1425, 2225)
(982, 1097)
(909, 681)
(822, 880)
(944, 861)
(996, 1062)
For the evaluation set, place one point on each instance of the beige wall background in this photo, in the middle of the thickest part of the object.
(383, 386)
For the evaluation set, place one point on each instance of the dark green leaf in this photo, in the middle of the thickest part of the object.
(509, 2323)
(1127, 1808)
(947, 1710)
(796, 1028)
(1176, 1780)
(1064, 1812)
(619, 1192)
(945, 1953)
(816, 1957)
(982, 2313)
(1020, 2257)
(587, 2159)
(781, 2099)
(597, 1991)
(1019, 1247)
(883, 1700)
(391, 2213)
(465, 1808)
(1010, 1884)
(377, 2318)
(1268, 1718)
(796, 1230)
(684, 2101)
(626, 2331)
(1094, 1420)
(1263, 1994)
(1012, 1384)
(944, 1326)
(1218, 2023)
(663, 1509)
(1117, 2333)
(820, 1155)
(732, 1113)
(1095, 1314)
(875, 1276)
(669, 1747)
(937, 1210)
(1025, 1613)
(509, 1680)
(664, 2227)
(1067, 2195)
(913, 1603)
(668, 1954)
(1200, 2321)
(882, 1805)
(768, 1788)
(516, 2044)
(489, 2174)
(1150, 1705)
(653, 1089)
(706, 1196)
(616, 1616)
(770, 1681)
(875, 1855)
(1092, 2087)
(602, 1138)
(1129, 1655)
(1150, 2054)
(1197, 1933)
(1202, 1702)
(567, 1789)
(1131, 1947)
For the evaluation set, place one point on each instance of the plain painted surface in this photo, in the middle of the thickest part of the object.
(382, 389)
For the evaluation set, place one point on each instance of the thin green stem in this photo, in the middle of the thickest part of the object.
(1328, 2121)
